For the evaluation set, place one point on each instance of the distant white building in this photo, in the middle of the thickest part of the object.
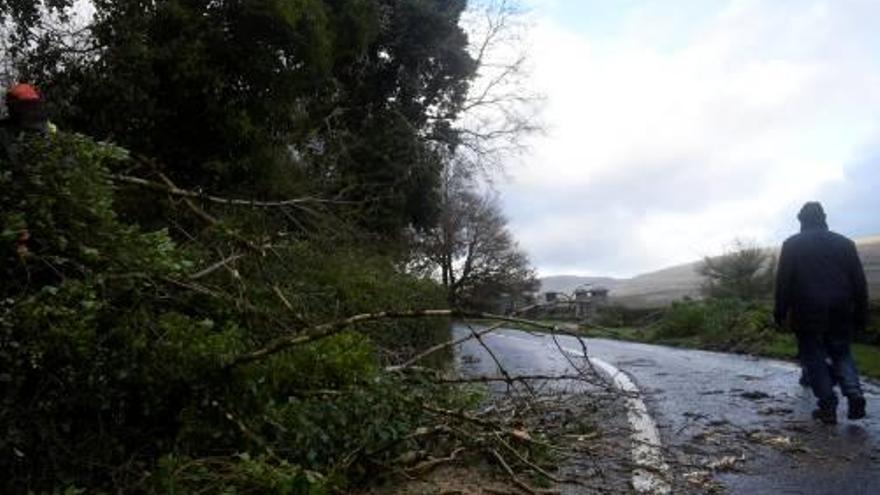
(580, 305)
(587, 298)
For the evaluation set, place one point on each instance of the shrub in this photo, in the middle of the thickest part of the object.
(720, 324)
(746, 272)
(682, 320)
(111, 359)
(871, 335)
(616, 316)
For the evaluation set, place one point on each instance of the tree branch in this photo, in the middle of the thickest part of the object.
(440, 347)
(216, 266)
(325, 330)
(176, 191)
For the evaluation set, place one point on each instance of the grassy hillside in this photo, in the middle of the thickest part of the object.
(659, 288)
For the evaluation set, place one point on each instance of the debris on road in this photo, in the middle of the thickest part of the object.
(781, 442)
(712, 392)
(703, 481)
(750, 378)
(776, 411)
(726, 463)
(754, 395)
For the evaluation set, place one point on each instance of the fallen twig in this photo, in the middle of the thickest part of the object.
(216, 266)
(434, 462)
(516, 480)
(525, 461)
(500, 366)
(577, 368)
(517, 378)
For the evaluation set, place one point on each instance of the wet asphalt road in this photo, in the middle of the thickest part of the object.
(711, 406)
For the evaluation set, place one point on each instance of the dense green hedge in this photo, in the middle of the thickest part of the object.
(722, 324)
(732, 324)
(111, 364)
(871, 335)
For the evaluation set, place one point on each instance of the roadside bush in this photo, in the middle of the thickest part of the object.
(616, 316)
(112, 355)
(872, 333)
(682, 319)
(720, 324)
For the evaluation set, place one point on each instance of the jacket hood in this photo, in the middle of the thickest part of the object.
(812, 217)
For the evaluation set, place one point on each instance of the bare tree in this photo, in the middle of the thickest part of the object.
(471, 251)
(502, 108)
(745, 271)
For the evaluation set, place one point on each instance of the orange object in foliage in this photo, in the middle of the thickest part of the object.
(23, 92)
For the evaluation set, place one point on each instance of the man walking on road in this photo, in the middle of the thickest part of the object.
(821, 289)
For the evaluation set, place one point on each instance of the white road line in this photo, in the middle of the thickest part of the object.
(648, 476)
(647, 455)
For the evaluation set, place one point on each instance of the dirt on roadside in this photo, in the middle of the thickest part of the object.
(588, 452)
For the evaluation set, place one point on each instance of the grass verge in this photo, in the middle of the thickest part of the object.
(781, 346)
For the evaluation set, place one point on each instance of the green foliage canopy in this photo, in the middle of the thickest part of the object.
(352, 98)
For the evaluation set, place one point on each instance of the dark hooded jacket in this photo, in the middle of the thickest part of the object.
(820, 273)
(25, 117)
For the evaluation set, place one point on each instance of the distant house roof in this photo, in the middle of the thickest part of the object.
(591, 288)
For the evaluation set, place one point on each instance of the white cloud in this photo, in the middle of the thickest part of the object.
(661, 149)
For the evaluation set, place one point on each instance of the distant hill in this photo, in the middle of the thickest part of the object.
(655, 289)
(661, 287)
(869, 251)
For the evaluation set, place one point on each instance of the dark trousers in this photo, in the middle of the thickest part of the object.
(824, 335)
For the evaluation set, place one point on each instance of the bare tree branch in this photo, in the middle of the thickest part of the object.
(501, 368)
(216, 266)
(439, 347)
(325, 330)
(501, 108)
(176, 191)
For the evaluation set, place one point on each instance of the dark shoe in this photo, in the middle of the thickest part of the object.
(856, 408)
(826, 416)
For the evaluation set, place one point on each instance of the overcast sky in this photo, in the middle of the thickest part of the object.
(675, 127)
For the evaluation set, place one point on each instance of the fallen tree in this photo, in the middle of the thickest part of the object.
(136, 362)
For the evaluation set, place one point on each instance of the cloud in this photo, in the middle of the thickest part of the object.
(671, 134)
